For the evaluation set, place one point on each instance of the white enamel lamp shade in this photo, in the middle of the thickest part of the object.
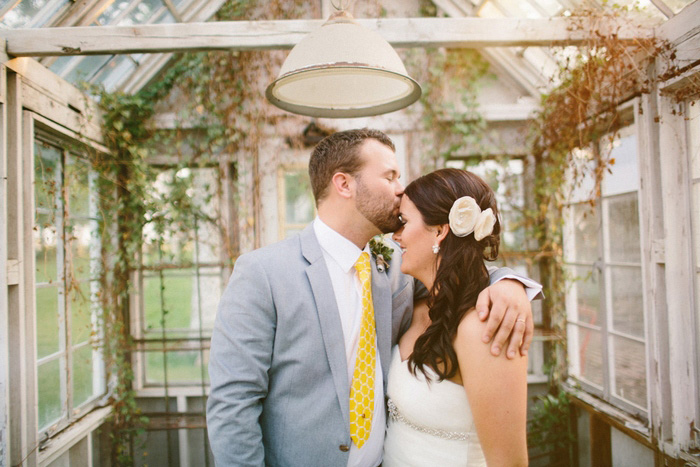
(343, 70)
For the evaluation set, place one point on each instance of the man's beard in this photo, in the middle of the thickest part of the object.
(381, 213)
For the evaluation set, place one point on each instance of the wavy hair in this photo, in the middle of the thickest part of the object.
(461, 274)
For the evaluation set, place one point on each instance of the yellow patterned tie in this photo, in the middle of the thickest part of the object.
(362, 390)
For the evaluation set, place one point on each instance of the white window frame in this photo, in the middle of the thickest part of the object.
(282, 200)
(194, 340)
(42, 129)
(603, 264)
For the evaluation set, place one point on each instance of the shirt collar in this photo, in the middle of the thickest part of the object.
(342, 250)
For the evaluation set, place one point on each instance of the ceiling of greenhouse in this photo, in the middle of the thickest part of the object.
(530, 66)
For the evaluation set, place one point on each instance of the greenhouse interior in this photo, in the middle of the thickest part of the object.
(144, 148)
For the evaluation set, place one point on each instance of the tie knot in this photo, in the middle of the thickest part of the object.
(362, 263)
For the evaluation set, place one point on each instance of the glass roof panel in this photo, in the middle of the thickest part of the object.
(552, 7)
(115, 72)
(143, 12)
(489, 10)
(112, 12)
(517, 8)
(678, 5)
(32, 13)
(643, 7)
(165, 18)
(61, 64)
(86, 68)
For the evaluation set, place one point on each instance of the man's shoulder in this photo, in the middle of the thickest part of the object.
(276, 257)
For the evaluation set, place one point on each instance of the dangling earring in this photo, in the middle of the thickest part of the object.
(436, 248)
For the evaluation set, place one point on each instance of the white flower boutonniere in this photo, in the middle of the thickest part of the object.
(381, 251)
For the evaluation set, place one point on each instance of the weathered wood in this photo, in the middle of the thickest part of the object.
(78, 432)
(679, 270)
(17, 401)
(5, 275)
(50, 96)
(284, 34)
(28, 280)
(653, 280)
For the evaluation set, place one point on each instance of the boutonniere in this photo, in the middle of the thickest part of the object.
(381, 251)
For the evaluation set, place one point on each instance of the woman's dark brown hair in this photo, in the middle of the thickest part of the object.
(461, 274)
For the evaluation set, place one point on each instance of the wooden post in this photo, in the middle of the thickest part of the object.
(679, 271)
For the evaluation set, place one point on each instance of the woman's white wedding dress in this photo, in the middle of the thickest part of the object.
(429, 424)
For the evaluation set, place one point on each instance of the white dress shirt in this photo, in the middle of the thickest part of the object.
(340, 255)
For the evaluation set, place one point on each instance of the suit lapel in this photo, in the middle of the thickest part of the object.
(328, 316)
(381, 296)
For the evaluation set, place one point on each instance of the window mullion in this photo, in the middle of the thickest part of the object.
(63, 308)
(606, 300)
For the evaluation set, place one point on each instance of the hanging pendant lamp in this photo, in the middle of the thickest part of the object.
(343, 70)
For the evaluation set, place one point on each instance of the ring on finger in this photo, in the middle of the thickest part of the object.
(520, 320)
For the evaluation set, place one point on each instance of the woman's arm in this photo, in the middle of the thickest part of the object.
(497, 391)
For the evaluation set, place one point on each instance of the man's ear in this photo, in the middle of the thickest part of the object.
(343, 184)
(441, 232)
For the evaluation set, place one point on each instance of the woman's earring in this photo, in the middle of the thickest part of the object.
(436, 248)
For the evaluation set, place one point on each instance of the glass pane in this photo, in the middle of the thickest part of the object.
(77, 183)
(46, 176)
(165, 18)
(116, 71)
(627, 302)
(82, 375)
(584, 288)
(630, 371)
(694, 137)
(22, 14)
(299, 203)
(506, 179)
(580, 176)
(112, 12)
(623, 225)
(47, 321)
(184, 366)
(81, 316)
(677, 5)
(590, 354)
(143, 12)
(45, 239)
(177, 298)
(80, 235)
(49, 388)
(585, 239)
(60, 64)
(625, 172)
(177, 240)
(88, 66)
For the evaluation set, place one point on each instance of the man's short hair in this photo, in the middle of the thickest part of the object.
(339, 152)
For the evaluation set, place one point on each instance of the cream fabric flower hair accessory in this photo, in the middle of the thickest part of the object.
(466, 217)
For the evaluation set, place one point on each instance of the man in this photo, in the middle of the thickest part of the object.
(286, 337)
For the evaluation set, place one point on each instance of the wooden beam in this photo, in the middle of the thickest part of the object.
(284, 34)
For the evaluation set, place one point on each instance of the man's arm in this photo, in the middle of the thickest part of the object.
(240, 356)
(506, 304)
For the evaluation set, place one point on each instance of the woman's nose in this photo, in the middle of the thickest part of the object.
(397, 235)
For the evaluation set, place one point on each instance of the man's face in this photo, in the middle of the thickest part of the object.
(378, 188)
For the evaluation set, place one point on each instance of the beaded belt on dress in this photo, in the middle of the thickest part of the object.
(394, 414)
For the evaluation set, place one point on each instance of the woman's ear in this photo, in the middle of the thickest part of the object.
(441, 233)
(343, 184)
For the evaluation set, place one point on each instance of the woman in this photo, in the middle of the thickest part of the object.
(450, 401)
